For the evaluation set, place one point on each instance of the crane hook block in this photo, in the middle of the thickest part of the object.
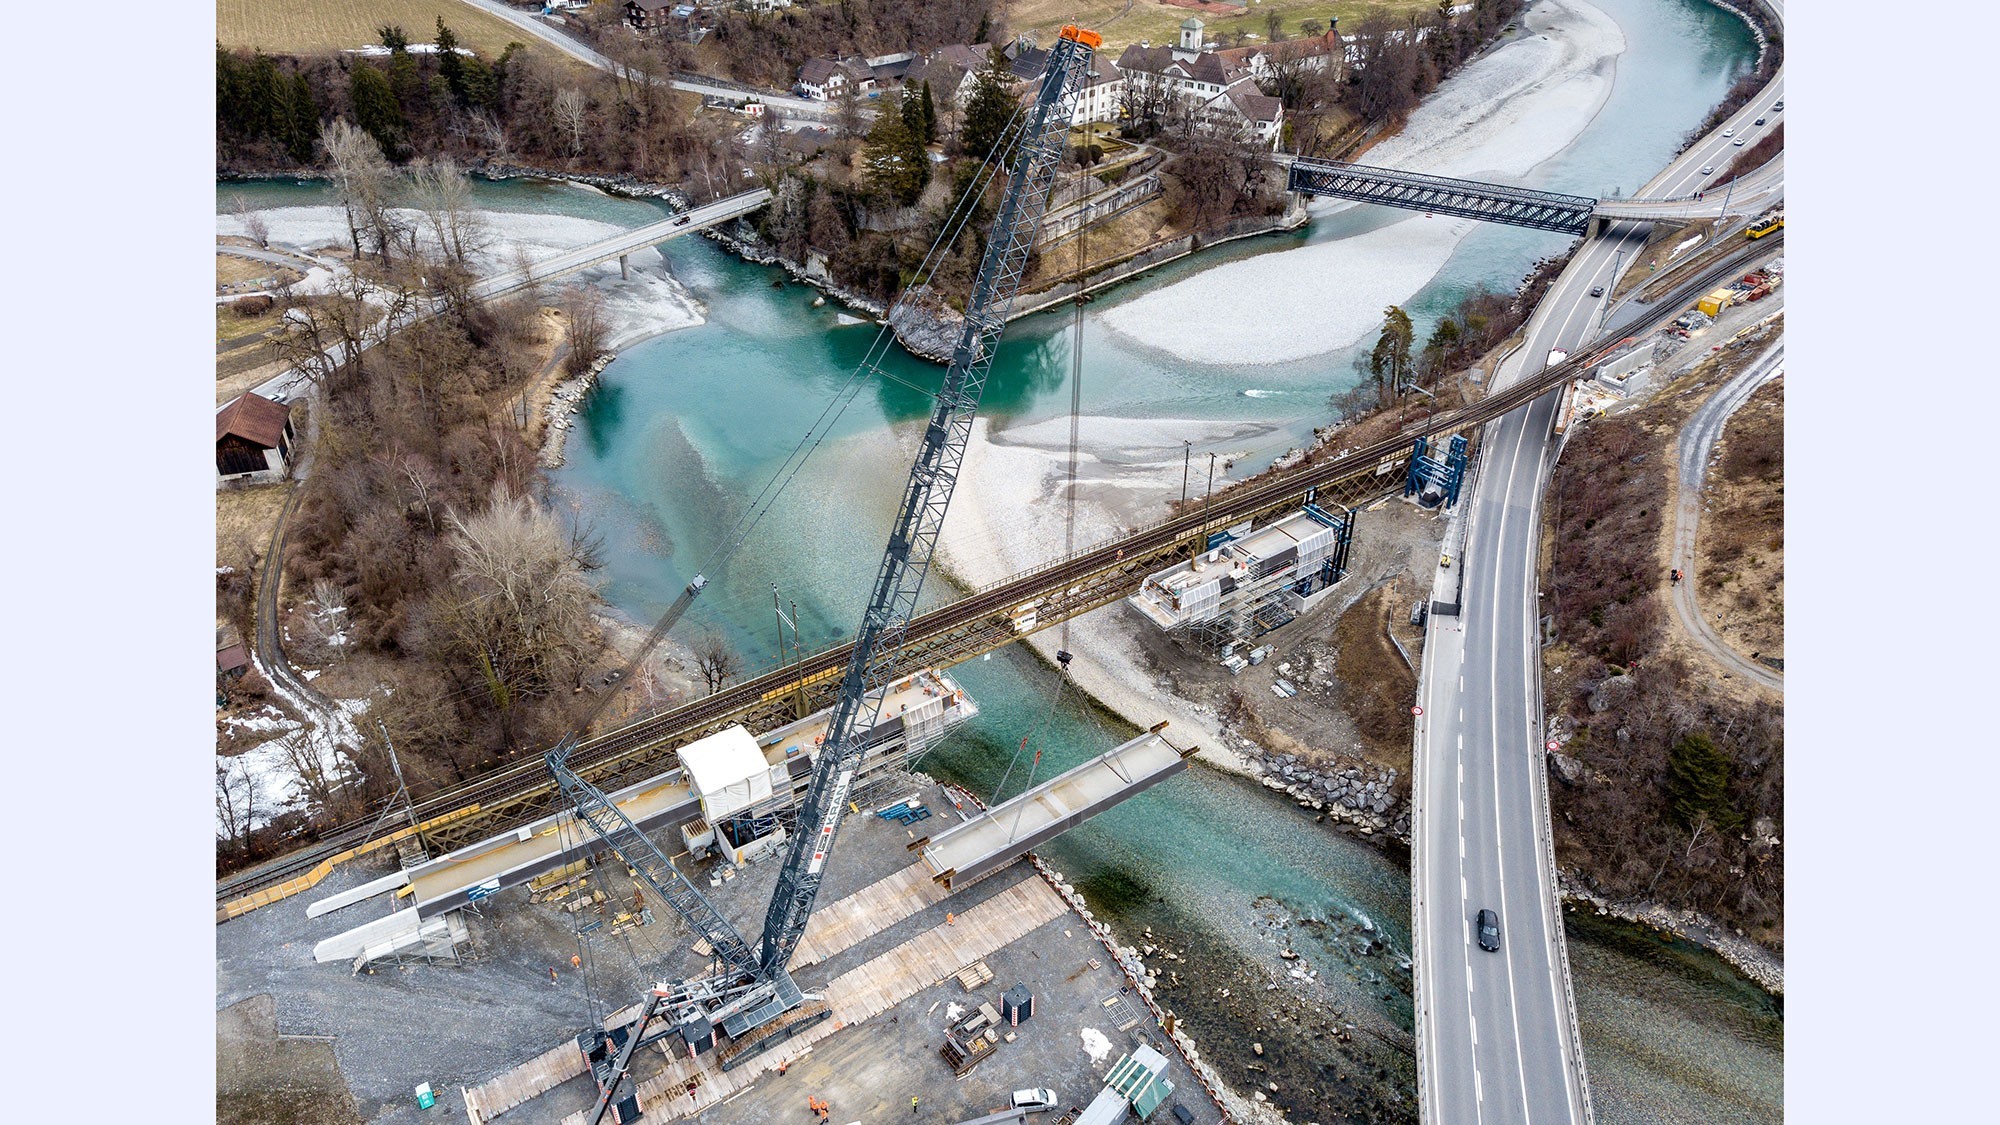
(1063, 657)
(1090, 39)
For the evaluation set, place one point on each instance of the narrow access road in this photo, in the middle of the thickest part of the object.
(1697, 442)
(569, 45)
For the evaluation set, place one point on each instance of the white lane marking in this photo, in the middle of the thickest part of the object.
(1461, 847)
(1475, 1029)
(1493, 688)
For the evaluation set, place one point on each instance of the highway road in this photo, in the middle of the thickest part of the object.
(1497, 1038)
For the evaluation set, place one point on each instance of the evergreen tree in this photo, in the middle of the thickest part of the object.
(930, 115)
(450, 66)
(1443, 342)
(919, 116)
(1698, 783)
(912, 112)
(305, 120)
(376, 108)
(1390, 360)
(228, 91)
(990, 114)
(393, 38)
(897, 166)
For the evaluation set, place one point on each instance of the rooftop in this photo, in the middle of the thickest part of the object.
(254, 418)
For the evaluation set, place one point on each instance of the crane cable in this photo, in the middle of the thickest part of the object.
(1063, 655)
(788, 470)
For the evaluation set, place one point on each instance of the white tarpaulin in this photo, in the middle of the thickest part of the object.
(728, 772)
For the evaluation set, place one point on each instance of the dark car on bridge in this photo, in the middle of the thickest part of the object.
(1489, 931)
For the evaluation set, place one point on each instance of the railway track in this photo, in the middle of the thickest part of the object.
(506, 797)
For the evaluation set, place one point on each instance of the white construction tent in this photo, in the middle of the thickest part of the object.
(728, 772)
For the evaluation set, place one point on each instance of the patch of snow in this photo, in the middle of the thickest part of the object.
(648, 303)
(1095, 1044)
(309, 674)
(1495, 120)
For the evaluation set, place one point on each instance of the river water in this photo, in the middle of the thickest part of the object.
(686, 427)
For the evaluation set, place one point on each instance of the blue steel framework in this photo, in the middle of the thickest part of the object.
(1448, 474)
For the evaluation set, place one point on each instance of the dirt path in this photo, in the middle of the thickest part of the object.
(1697, 444)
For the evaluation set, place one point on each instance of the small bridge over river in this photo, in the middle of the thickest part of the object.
(1492, 203)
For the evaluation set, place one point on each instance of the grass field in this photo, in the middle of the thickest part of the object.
(244, 518)
(1124, 22)
(319, 26)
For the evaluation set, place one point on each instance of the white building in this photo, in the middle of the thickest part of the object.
(1252, 581)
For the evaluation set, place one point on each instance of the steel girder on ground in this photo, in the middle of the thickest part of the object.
(1494, 203)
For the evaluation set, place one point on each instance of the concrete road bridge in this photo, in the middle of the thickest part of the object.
(622, 245)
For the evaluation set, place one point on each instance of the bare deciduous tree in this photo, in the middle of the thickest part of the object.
(362, 182)
(716, 660)
(314, 768)
(585, 327)
(236, 803)
(571, 111)
(444, 195)
(252, 220)
(519, 610)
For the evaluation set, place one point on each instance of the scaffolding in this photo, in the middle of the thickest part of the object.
(1434, 481)
(1251, 580)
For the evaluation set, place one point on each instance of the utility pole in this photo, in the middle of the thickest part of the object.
(1187, 452)
(1210, 498)
(402, 789)
(778, 611)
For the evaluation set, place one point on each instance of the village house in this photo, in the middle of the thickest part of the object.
(1185, 71)
(828, 79)
(1247, 112)
(1217, 88)
(1103, 83)
(650, 17)
(951, 72)
(253, 440)
(1316, 53)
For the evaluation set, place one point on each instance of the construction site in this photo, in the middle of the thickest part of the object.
(693, 944)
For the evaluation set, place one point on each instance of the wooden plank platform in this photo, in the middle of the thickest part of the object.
(531, 1079)
(868, 911)
(687, 1086)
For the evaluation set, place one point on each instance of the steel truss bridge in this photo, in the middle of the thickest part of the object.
(1493, 203)
(984, 620)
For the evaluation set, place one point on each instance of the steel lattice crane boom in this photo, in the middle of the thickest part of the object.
(907, 560)
(743, 997)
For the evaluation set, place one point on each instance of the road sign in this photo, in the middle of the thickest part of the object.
(1554, 746)
(1417, 710)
